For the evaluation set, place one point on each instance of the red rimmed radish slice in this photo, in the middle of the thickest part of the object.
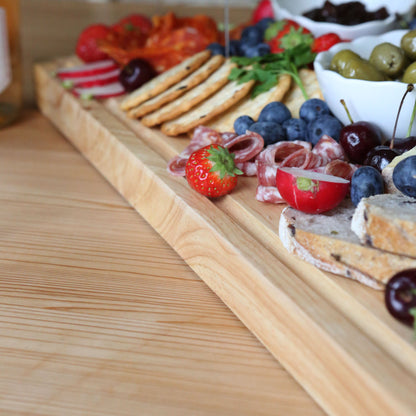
(93, 80)
(87, 70)
(104, 91)
(309, 191)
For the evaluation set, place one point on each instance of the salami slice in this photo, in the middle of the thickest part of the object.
(340, 168)
(203, 136)
(329, 149)
(269, 194)
(245, 146)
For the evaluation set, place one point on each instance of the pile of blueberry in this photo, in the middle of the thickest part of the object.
(251, 43)
(275, 123)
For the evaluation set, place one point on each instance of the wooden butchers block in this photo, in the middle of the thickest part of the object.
(333, 335)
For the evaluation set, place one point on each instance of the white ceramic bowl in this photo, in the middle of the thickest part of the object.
(293, 9)
(374, 101)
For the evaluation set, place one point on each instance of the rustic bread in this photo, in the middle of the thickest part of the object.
(387, 222)
(327, 241)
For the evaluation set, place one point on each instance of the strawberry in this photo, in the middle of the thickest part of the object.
(324, 42)
(286, 34)
(211, 171)
(87, 47)
(133, 23)
(264, 9)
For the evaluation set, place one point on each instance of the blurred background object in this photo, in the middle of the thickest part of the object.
(10, 62)
(67, 18)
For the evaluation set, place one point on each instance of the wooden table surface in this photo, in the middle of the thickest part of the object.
(98, 315)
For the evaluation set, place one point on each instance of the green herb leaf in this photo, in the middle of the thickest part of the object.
(265, 70)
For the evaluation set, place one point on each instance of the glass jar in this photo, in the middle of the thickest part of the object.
(11, 95)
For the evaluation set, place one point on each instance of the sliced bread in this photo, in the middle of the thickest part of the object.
(327, 241)
(387, 222)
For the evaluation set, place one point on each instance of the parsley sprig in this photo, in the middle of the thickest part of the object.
(265, 70)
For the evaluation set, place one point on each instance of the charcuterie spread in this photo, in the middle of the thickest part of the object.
(254, 107)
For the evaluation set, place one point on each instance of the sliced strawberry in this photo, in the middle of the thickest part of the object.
(104, 91)
(264, 9)
(87, 70)
(310, 191)
(324, 42)
(94, 80)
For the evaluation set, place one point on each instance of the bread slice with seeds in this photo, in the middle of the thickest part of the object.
(327, 241)
(387, 222)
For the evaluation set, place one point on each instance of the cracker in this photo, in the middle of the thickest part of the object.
(191, 98)
(196, 78)
(294, 98)
(165, 80)
(251, 106)
(208, 109)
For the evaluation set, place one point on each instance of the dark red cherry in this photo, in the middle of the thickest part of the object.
(135, 74)
(403, 144)
(400, 296)
(380, 156)
(358, 139)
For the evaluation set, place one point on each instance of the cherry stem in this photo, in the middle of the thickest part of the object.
(346, 110)
(409, 88)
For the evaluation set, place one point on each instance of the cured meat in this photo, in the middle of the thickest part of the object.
(329, 149)
(245, 148)
(203, 136)
(340, 168)
(269, 194)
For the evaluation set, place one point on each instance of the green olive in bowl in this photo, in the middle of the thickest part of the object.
(408, 44)
(409, 76)
(389, 59)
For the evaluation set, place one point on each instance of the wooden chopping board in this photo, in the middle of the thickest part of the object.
(333, 335)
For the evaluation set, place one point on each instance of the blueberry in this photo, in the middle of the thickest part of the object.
(235, 48)
(295, 129)
(216, 49)
(242, 124)
(313, 108)
(324, 124)
(366, 181)
(404, 176)
(412, 24)
(276, 112)
(260, 49)
(251, 35)
(271, 132)
(264, 23)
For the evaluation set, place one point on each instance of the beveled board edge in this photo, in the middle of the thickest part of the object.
(335, 360)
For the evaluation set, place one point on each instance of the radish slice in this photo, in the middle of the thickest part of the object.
(309, 191)
(93, 80)
(104, 91)
(87, 70)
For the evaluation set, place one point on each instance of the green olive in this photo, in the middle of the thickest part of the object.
(409, 76)
(408, 44)
(389, 59)
(361, 69)
(341, 58)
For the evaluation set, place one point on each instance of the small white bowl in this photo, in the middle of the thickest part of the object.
(374, 101)
(293, 9)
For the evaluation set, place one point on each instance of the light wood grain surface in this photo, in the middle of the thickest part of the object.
(98, 315)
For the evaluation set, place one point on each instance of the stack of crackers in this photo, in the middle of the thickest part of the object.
(198, 92)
